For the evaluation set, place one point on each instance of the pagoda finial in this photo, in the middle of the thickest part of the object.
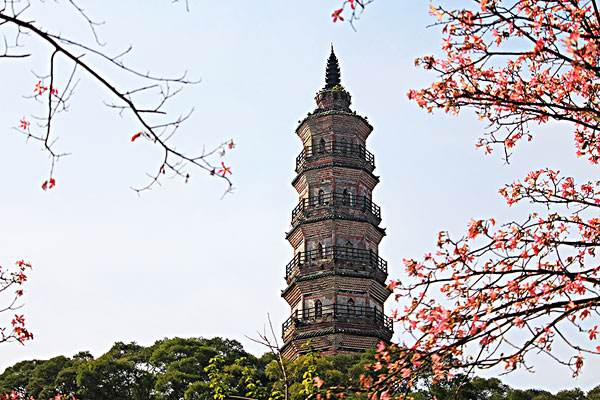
(332, 73)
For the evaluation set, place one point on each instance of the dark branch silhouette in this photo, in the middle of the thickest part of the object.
(87, 61)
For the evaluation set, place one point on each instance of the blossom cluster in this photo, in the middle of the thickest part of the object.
(9, 280)
(519, 66)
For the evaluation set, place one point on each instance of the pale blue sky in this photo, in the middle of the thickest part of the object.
(178, 261)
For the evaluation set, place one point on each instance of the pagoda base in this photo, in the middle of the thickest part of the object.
(332, 341)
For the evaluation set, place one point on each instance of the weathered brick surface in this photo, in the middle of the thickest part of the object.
(332, 179)
(334, 231)
(326, 267)
(334, 124)
(329, 344)
(335, 288)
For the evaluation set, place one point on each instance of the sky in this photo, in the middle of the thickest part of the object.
(111, 265)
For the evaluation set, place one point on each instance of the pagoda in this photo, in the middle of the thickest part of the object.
(336, 280)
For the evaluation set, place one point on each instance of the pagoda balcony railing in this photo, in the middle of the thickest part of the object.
(361, 203)
(339, 312)
(328, 149)
(306, 259)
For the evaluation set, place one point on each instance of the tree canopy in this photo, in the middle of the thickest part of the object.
(216, 368)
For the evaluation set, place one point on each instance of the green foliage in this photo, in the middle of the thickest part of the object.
(594, 394)
(308, 378)
(493, 389)
(340, 371)
(42, 377)
(219, 369)
(17, 377)
(575, 394)
(170, 369)
(217, 381)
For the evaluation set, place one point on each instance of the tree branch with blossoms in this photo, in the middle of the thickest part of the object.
(11, 290)
(508, 291)
(517, 64)
(351, 9)
(145, 102)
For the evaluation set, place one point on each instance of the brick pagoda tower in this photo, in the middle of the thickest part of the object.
(336, 280)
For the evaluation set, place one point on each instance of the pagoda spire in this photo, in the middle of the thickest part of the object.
(332, 73)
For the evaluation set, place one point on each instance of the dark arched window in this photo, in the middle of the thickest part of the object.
(318, 309)
(343, 145)
(322, 145)
(350, 307)
(321, 197)
(346, 197)
(320, 250)
(348, 250)
(350, 253)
